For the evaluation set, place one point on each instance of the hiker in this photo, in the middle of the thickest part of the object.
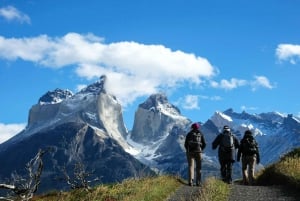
(227, 143)
(249, 152)
(194, 145)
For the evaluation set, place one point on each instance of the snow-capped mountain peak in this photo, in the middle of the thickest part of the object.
(220, 119)
(97, 87)
(56, 96)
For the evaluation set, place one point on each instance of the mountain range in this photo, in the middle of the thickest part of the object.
(88, 127)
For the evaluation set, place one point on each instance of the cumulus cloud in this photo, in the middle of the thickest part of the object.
(190, 102)
(229, 84)
(288, 52)
(9, 130)
(10, 13)
(133, 69)
(259, 81)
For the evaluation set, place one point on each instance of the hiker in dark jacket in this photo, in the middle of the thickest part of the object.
(227, 143)
(249, 152)
(194, 145)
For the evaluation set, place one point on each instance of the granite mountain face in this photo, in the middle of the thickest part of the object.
(88, 127)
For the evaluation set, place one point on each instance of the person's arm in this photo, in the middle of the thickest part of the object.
(185, 142)
(257, 154)
(203, 142)
(216, 142)
(236, 142)
(239, 152)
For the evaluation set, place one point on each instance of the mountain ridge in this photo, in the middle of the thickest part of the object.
(155, 141)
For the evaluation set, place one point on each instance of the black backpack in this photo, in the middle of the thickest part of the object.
(195, 143)
(249, 146)
(227, 142)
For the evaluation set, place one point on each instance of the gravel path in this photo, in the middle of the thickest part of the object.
(240, 193)
(261, 193)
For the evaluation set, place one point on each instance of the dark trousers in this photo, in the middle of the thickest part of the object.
(226, 170)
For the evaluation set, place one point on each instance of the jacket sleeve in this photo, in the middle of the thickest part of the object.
(216, 142)
(239, 153)
(203, 142)
(236, 142)
(186, 141)
(257, 155)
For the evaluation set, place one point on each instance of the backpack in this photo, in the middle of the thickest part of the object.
(194, 143)
(249, 146)
(227, 142)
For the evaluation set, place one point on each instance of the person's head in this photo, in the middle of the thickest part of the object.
(248, 133)
(195, 126)
(226, 129)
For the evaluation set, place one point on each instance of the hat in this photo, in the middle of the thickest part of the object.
(248, 132)
(195, 126)
(226, 128)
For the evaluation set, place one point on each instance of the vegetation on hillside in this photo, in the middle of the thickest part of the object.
(285, 172)
(214, 190)
(147, 189)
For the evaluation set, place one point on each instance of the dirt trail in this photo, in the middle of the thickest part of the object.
(261, 193)
(240, 193)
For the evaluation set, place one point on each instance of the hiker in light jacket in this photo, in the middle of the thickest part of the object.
(194, 145)
(249, 152)
(227, 143)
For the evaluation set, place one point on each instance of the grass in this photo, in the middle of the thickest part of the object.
(157, 188)
(285, 172)
(214, 190)
(146, 189)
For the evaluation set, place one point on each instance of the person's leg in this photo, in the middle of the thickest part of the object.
(198, 168)
(245, 170)
(223, 169)
(190, 160)
(252, 162)
(229, 172)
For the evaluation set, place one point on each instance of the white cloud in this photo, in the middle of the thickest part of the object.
(10, 13)
(245, 108)
(132, 69)
(229, 84)
(261, 81)
(288, 52)
(190, 102)
(9, 130)
(213, 98)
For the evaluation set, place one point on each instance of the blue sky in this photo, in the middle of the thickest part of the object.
(206, 56)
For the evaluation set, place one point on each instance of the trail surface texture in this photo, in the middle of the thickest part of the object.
(261, 193)
(239, 193)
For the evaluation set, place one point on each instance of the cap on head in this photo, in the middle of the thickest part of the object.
(195, 126)
(248, 132)
(226, 129)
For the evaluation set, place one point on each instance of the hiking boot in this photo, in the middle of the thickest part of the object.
(199, 184)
